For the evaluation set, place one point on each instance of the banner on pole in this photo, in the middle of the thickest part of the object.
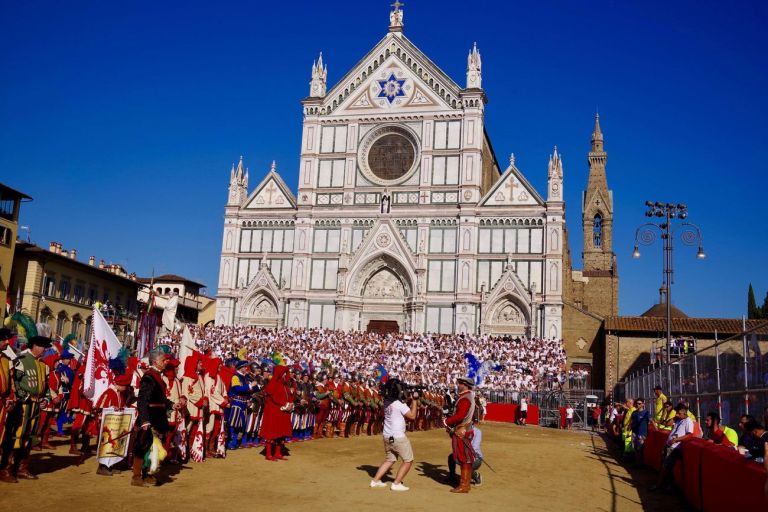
(115, 435)
(104, 346)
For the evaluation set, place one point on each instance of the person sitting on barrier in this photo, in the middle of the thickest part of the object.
(639, 426)
(757, 431)
(719, 434)
(746, 441)
(681, 432)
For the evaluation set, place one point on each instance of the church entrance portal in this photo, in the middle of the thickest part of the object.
(383, 326)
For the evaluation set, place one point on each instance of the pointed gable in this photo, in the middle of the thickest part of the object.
(512, 189)
(272, 192)
(383, 238)
(394, 74)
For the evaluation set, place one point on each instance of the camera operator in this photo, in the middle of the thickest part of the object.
(396, 443)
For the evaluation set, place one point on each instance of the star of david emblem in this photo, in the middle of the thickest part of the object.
(391, 88)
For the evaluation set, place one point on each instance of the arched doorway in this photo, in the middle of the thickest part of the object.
(385, 290)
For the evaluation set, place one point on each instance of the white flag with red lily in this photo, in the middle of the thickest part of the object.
(104, 346)
(196, 442)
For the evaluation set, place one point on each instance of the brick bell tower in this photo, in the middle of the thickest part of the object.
(601, 292)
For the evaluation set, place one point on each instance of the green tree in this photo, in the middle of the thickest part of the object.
(752, 310)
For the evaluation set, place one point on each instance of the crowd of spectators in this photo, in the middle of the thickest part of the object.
(430, 359)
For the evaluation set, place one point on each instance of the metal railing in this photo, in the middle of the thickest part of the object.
(728, 376)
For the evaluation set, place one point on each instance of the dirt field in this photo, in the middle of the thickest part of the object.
(536, 469)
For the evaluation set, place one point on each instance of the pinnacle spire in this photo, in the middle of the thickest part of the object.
(240, 169)
(318, 83)
(597, 135)
(273, 168)
(474, 68)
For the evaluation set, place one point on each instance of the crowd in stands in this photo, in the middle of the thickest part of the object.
(423, 359)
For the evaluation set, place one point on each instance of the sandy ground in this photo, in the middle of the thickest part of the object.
(536, 469)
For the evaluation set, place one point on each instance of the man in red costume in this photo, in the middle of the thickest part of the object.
(84, 426)
(278, 404)
(459, 426)
(193, 389)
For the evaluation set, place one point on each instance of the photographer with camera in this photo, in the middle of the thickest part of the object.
(396, 443)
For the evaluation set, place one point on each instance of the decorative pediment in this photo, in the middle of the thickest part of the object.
(262, 284)
(509, 284)
(512, 189)
(392, 86)
(383, 242)
(417, 83)
(271, 193)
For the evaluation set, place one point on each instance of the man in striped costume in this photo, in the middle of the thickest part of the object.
(239, 393)
(30, 381)
(459, 426)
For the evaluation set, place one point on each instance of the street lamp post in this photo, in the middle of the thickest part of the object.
(646, 235)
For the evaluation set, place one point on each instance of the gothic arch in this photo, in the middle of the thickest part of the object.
(509, 315)
(365, 271)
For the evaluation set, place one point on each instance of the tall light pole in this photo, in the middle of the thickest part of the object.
(646, 235)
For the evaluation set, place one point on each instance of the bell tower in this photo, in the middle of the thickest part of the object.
(597, 210)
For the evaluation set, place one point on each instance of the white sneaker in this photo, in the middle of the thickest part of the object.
(377, 483)
(399, 487)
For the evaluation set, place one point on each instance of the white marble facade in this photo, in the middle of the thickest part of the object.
(403, 214)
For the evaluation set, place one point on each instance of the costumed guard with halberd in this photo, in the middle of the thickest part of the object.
(278, 404)
(459, 426)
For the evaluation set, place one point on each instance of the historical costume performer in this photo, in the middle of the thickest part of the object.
(334, 413)
(118, 395)
(218, 401)
(84, 424)
(278, 404)
(175, 442)
(193, 388)
(239, 393)
(7, 395)
(459, 426)
(152, 422)
(323, 404)
(30, 381)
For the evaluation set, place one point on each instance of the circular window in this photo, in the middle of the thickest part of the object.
(389, 155)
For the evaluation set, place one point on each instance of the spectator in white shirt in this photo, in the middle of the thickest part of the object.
(682, 431)
(396, 443)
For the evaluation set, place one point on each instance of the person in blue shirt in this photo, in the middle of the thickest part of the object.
(638, 424)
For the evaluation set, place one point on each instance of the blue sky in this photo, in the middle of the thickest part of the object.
(123, 119)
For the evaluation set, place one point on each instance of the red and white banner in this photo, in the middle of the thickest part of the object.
(104, 346)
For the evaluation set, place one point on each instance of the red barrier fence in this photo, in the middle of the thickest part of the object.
(509, 413)
(712, 477)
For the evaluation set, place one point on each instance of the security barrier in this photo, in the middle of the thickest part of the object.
(712, 477)
(510, 413)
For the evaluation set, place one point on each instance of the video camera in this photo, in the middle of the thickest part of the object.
(395, 389)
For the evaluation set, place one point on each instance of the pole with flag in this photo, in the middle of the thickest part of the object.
(147, 324)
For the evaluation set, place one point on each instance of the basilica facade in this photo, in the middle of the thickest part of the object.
(403, 217)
